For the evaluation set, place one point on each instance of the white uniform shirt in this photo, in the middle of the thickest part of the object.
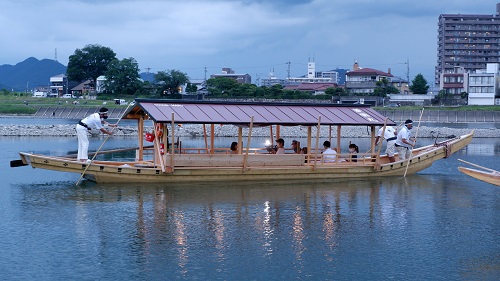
(388, 133)
(404, 133)
(93, 121)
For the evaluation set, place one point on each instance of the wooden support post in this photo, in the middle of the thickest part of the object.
(140, 132)
(317, 141)
(240, 140)
(212, 137)
(339, 150)
(173, 146)
(245, 159)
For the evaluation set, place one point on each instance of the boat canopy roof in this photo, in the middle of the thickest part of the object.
(264, 113)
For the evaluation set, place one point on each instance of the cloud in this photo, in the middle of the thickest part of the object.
(251, 36)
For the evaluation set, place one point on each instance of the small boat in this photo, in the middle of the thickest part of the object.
(166, 161)
(486, 175)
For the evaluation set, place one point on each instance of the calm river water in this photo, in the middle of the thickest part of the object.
(436, 225)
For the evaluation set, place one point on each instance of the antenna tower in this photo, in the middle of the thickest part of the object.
(55, 54)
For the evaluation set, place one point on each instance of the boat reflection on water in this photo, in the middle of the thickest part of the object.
(170, 212)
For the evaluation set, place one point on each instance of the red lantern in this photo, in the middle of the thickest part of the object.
(150, 137)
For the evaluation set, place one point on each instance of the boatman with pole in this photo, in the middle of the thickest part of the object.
(404, 143)
(390, 135)
(93, 121)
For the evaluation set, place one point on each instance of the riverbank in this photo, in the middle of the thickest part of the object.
(68, 130)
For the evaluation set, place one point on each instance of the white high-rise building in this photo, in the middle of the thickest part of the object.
(484, 85)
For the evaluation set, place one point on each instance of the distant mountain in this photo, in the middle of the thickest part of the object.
(30, 73)
(33, 73)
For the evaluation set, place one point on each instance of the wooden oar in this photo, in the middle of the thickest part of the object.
(411, 149)
(93, 157)
(477, 166)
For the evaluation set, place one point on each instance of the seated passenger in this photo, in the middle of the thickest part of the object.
(303, 150)
(329, 155)
(280, 146)
(353, 151)
(234, 148)
(296, 147)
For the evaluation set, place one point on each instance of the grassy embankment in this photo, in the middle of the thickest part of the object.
(26, 105)
(21, 104)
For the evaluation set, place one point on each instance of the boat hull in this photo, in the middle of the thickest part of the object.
(139, 172)
(489, 177)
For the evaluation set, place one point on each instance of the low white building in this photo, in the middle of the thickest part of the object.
(484, 85)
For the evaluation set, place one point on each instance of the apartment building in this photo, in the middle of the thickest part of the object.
(467, 41)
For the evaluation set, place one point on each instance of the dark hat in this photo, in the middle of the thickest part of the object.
(103, 110)
(408, 122)
(280, 140)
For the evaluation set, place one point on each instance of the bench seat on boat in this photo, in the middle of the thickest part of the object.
(235, 160)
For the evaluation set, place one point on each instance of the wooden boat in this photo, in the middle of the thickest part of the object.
(251, 163)
(486, 175)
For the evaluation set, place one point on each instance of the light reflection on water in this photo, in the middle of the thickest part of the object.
(436, 225)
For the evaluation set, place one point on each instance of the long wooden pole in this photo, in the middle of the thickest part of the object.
(157, 150)
(477, 166)
(411, 149)
(93, 157)
(205, 137)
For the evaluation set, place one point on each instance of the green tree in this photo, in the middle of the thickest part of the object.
(336, 91)
(276, 91)
(384, 88)
(191, 88)
(244, 90)
(221, 86)
(89, 63)
(170, 81)
(419, 85)
(122, 77)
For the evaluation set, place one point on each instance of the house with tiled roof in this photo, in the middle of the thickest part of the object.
(83, 89)
(315, 88)
(363, 81)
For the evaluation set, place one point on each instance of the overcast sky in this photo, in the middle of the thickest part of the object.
(249, 36)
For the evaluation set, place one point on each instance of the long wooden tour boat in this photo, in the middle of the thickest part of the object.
(486, 174)
(156, 163)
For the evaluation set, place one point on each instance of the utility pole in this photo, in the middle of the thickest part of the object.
(408, 71)
(288, 76)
